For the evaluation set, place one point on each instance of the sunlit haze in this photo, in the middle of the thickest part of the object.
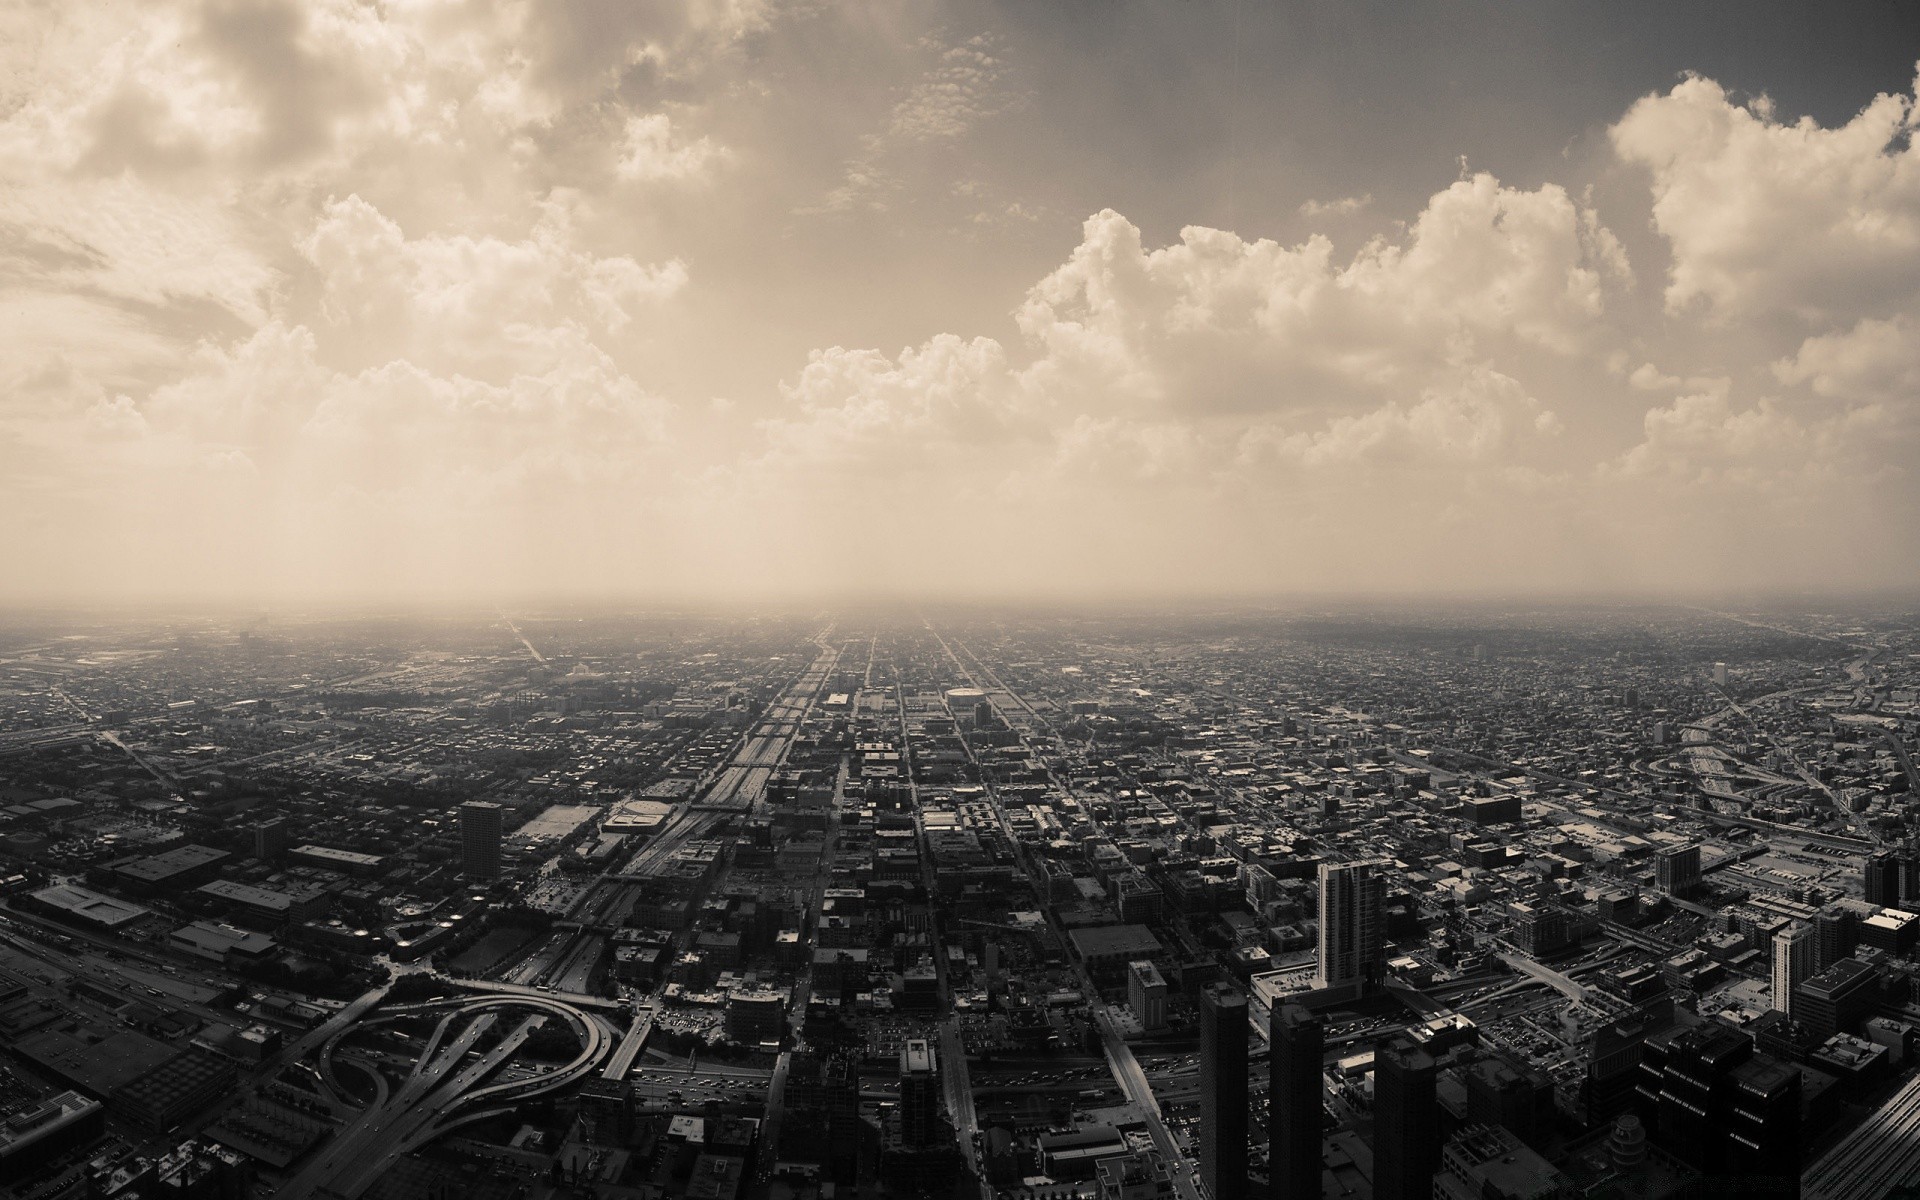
(430, 299)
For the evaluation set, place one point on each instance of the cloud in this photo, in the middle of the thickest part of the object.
(652, 153)
(481, 306)
(1217, 323)
(399, 296)
(1345, 206)
(962, 89)
(1216, 366)
(1876, 360)
(1769, 218)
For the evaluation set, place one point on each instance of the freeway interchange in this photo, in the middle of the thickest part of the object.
(448, 1085)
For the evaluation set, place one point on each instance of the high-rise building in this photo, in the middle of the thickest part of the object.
(846, 1129)
(1833, 934)
(1296, 1102)
(1223, 1091)
(1517, 1098)
(919, 1094)
(1882, 879)
(1147, 995)
(1909, 856)
(1353, 922)
(1406, 1124)
(1795, 956)
(1720, 675)
(1712, 1101)
(480, 834)
(1837, 999)
(1540, 929)
(1677, 870)
(270, 839)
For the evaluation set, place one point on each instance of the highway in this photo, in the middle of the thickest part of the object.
(742, 783)
(442, 1081)
(1132, 1079)
(621, 1061)
(1547, 975)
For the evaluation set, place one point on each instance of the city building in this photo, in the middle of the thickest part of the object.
(35, 1134)
(1223, 1091)
(919, 1094)
(1296, 1096)
(1147, 995)
(1677, 870)
(86, 907)
(1837, 999)
(270, 838)
(1141, 1175)
(480, 838)
(347, 862)
(1795, 955)
(1881, 877)
(1406, 1122)
(223, 943)
(1711, 1100)
(173, 870)
(1517, 1098)
(755, 1017)
(1487, 1162)
(1353, 919)
(267, 907)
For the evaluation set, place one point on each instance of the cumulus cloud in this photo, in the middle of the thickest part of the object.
(1215, 322)
(436, 295)
(1877, 360)
(475, 305)
(1767, 217)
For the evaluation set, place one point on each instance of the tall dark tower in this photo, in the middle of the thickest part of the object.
(1223, 1092)
(1883, 879)
(480, 828)
(1406, 1130)
(1296, 1099)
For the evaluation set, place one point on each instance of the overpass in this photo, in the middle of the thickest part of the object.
(446, 1079)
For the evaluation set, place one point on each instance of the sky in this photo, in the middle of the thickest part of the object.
(428, 299)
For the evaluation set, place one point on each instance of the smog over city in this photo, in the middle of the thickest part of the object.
(1066, 600)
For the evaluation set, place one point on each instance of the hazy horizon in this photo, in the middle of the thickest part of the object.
(329, 305)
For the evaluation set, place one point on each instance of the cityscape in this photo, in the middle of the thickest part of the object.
(1384, 900)
(959, 600)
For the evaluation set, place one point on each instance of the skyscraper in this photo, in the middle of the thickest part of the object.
(919, 1094)
(270, 839)
(1147, 995)
(1833, 935)
(1296, 1097)
(480, 830)
(1677, 870)
(1795, 959)
(1883, 879)
(1711, 1100)
(1223, 1091)
(1909, 856)
(840, 1081)
(1406, 1129)
(1353, 919)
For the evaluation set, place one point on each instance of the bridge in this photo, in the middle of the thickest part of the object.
(445, 1089)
